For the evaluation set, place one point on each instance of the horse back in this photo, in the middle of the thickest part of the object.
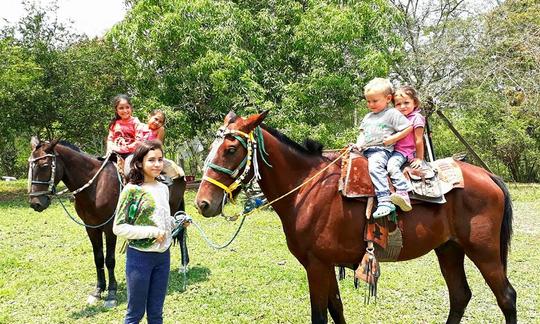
(470, 214)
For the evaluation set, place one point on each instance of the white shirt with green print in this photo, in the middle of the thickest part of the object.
(142, 214)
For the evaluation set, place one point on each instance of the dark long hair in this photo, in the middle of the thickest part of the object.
(116, 100)
(136, 173)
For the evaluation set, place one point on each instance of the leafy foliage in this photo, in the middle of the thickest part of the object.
(483, 72)
(305, 61)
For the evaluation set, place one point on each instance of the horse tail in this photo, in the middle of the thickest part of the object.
(506, 226)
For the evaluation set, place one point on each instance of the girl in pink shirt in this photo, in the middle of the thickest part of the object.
(411, 147)
(154, 128)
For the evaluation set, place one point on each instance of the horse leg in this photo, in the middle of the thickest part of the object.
(319, 286)
(96, 239)
(110, 262)
(490, 265)
(176, 195)
(451, 258)
(335, 305)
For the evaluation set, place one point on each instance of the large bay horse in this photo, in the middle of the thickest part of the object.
(324, 229)
(95, 204)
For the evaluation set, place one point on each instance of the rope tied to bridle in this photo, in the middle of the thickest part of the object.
(253, 138)
(51, 192)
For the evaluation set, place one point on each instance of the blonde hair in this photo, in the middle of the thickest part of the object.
(408, 91)
(379, 85)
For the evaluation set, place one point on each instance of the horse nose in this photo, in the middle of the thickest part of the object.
(203, 205)
(36, 206)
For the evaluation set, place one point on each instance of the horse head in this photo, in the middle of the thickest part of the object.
(43, 173)
(228, 163)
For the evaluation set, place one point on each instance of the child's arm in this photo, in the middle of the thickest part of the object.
(397, 136)
(360, 141)
(419, 143)
(161, 134)
(110, 142)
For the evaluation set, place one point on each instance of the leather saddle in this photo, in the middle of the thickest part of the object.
(429, 184)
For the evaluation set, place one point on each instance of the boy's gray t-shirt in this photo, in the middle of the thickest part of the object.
(378, 126)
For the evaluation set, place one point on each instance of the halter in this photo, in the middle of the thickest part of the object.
(253, 138)
(51, 186)
(51, 191)
(249, 142)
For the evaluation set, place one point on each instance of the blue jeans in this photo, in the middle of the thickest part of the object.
(395, 162)
(147, 277)
(377, 163)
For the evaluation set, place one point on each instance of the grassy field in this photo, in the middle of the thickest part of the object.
(46, 272)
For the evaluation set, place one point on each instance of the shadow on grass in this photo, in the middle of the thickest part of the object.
(91, 310)
(195, 274)
(18, 200)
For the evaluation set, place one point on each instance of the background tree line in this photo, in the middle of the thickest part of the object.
(307, 61)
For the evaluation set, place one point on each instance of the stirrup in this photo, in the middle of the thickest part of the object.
(384, 210)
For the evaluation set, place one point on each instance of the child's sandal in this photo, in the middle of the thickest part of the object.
(384, 210)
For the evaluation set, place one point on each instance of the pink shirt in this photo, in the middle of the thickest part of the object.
(144, 133)
(122, 133)
(407, 145)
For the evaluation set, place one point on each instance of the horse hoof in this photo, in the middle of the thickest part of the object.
(92, 300)
(110, 303)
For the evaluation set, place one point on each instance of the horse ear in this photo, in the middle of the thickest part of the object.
(230, 118)
(34, 142)
(255, 120)
(51, 145)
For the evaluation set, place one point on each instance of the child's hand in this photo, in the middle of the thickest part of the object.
(161, 237)
(416, 164)
(355, 147)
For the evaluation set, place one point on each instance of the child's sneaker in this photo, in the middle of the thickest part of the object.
(401, 199)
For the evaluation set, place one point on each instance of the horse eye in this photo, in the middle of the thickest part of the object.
(231, 150)
(44, 165)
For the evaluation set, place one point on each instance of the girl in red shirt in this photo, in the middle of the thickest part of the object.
(123, 127)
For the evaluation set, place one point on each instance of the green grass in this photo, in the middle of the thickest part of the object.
(46, 272)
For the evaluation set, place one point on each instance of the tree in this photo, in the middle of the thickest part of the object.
(304, 60)
(481, 68)
(19, 85)
(53, 83)
(502, 87)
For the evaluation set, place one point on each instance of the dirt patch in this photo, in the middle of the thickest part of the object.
(12, 195)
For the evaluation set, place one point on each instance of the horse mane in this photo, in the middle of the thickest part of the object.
(71, 146)
(309, 147)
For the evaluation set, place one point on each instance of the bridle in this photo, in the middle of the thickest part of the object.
(250, 141)
(253, 142)
(51, 189)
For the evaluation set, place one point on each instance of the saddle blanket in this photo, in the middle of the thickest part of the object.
(428, 185)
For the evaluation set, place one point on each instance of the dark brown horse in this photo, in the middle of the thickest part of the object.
(324, 229)
(95, 204)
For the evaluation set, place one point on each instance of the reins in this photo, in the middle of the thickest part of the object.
(51, 192)
(299, 186)
(247, 162)
(57, 196)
